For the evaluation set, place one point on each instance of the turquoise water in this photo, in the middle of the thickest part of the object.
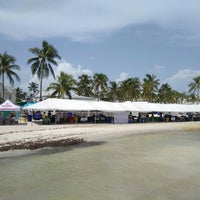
(141, 167)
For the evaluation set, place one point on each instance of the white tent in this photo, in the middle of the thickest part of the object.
(193, 108)
(9, 106)
(140, 106)
(61, 105)
(177, 108)
(75, 105)
(107, 106)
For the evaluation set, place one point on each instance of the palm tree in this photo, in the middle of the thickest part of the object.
(84, 85)
(130, 88)
(194, 87)
(7, 67)
(20, 95)
(191, 98)
(150, 87)
(113, 91)
(42, 63)
(180, 97)
(64, 86)
(33, 89)
(100, 85)
(166, 94)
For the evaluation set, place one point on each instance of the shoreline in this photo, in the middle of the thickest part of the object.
(26, 137)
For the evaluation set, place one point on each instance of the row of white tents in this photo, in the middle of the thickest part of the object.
(120, 111)
(84, 105)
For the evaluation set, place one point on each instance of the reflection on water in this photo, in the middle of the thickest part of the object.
(157, 167)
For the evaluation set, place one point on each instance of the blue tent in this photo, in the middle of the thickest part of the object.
(28, 104)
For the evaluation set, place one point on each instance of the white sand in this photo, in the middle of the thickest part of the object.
(89, 132)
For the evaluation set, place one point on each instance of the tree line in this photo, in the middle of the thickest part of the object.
(97, 86)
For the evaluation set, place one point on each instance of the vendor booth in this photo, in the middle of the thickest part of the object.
(9, 113)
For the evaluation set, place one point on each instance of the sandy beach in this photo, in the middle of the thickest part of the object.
(20, 134)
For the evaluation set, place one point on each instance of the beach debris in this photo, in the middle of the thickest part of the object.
(31, 145)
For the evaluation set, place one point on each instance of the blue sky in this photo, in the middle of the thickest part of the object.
(121, 38)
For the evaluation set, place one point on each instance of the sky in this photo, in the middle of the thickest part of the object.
(120, 38)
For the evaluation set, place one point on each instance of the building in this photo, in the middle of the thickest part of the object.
(46, 95)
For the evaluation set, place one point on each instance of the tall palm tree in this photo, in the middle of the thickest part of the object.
(63, 86)
(42, 63)
(100, 85)
(33, 89)
(194, 87)
(7, 67)
(150, 87)
(84, 85)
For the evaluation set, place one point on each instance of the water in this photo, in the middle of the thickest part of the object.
(145, 167)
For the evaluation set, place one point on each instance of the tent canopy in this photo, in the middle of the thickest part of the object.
(75, 105)
(84, 105)
(9, 106)
(61, 104)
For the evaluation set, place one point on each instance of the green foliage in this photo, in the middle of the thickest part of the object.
(100, 85)
(20, 95)
(194, 87)
(150, 87)
(129, 89)
(84, 85)
(33, 89)
(65, 83)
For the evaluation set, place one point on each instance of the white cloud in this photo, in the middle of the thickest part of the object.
(88, 19)
(123, 76)
(70, 69)
(181, 79)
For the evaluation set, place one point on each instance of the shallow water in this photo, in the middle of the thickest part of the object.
(140, 167)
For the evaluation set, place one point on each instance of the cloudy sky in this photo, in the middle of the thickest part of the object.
(121, 38)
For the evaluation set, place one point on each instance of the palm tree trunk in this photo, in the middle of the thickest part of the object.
(3, 89)
(41, 88)
(41, 77)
